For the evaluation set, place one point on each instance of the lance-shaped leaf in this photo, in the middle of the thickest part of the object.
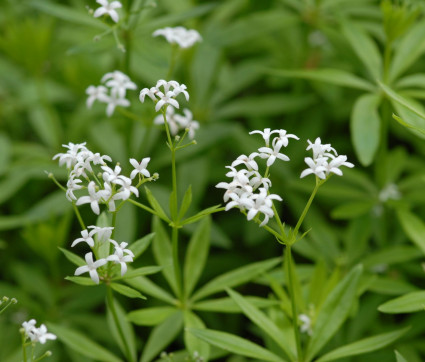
(202, 214)
(409, 303)
(146, 286)
(156, 206)
(194, 344)
(364, 47)
(228, 305)
(399, 357)
(73, 258)
(235, 277)
(264, 323)
(365, 128)
(334, 312)
(333, 76)
(187, 200)
(161, 336)
(139, 246)
(196, 255)
(365, 345)
(234, 344)
(127, 291)
(82, 344)
(150, 316)
(414, 227)
(81, 281)
(144, 270)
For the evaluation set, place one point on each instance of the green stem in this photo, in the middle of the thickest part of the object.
(24, 348)
(110, 299)
(288, 262)
(144, 207)
(387, 61)
(77, 213)
(176, 264)
(174, 51)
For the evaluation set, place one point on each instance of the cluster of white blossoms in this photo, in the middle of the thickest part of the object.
(108, 8)
(179, 35)
(36, 334)
(113, 92)
(166, 97)
(178, 122)
(121, 255)
(325, 160)
(105, 187)
(249, 190)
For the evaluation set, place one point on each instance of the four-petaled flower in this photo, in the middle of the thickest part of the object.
(140, 168)
(108, 8)
(91, 267)
(183, 37)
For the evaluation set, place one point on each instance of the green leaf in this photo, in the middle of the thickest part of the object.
(82, 344)
(126, 328)
(414, 227)
(227, 305)
(173, 206)
(399, 357)
(409, 49)
(234, 344)
(150, 316)
(5, 152)
(235, 277)
(409, 125)
(126, 291)
(411, 302)
(333, 76)
(196, 255)
(163, 253)
(364, 47)
(334, 311)
(365, 128)
(139, 246)
(156, 206)
(81, 280)
(162, 335)
(192, 343)
(144, 270)
(187, 200)
(416, 80)
(263, 322)
(201, 214)
(351, 210)
(392, 255)
(365, 345)
(73, 258)
(146, 286)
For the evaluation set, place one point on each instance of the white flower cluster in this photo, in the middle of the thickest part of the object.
(117, 84)
(166, 97)
(249, 190)
(108, 8)
(179, 35)
(121, 255)
(80, 161)
(37, 334)
(178, 122)
(325, 160)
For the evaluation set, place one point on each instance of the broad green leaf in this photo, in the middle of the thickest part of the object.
(409, 49)
(82, 343)
(202, 214)
(162, 250)
(364, 47)
(125, 327)
(263, 322)
(414, 227)
(161, 336)
(144, 270)
(333, 76)
(81, 280)
(73, 258)
(192, 343)
(234, 344)
(227, 305)
(196, 255)
(365, 345)
(126, 291)
(146, 286)
(150, 316)
(187, 200)
(139, 246)
(399, 357)
(409, 303)
(365, 128)
(235, 277)
(334, 311)
(155, 205)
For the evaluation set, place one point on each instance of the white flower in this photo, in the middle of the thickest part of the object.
(305, 324)
(72, 185)
(91, 267)
(183, 37)
(111, 175)
(115, 102)
(148, 92)
(125, 191)
(95, 93)
(41, 335)
(319, 149)
(92, 199)
(165, 97)
(85, 237)
(29, 327)
(283, 138)
(389, 192)
(98, 159)
(272, 154)
(260, 203)
(71, 157)
(187, 122)
(172, 123)
(108, 8)
(121, 255)
(337, 162)
(119, 83)
(140, 168)
(248, 161)
(103, 234)
(266, 134)
(317, 167)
